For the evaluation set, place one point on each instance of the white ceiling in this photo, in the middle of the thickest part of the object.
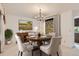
(32, 9)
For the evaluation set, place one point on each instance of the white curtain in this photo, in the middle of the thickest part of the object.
(57, 25)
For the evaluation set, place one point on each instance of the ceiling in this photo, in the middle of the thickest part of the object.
(31, 10)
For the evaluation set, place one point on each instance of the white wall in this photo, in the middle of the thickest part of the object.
(67, 28)
(67, 31)
(12, 23)
(75, 13)
(2, 26)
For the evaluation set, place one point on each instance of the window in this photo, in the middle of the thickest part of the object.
(49, 25)
(76, 30)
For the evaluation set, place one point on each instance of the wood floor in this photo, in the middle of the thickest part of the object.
(12, 50)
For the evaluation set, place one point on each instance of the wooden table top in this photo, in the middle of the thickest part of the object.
(39, 40)
(42, 38)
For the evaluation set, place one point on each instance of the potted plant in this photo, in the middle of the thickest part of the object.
(8, 36)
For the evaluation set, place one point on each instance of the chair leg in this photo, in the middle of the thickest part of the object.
(49, 55)
(40, 53)
(57, 53)
(21, 53)
(32, 52)
(18, 53)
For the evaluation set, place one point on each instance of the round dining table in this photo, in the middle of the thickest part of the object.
(39, 40)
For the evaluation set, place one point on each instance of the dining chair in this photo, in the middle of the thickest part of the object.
(53, 47)
(22, 47)
(49, 35)
(23, 36)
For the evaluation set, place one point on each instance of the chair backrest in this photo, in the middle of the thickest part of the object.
(19, 42)
(23, 36)
(51, 34)
(54, 44)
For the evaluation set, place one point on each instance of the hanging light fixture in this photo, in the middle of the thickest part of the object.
(40, 16)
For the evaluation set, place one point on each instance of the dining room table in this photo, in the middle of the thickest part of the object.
(39, 41)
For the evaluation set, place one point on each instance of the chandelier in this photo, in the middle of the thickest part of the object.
(40, 16)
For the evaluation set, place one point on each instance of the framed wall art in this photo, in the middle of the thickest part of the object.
(25, 25)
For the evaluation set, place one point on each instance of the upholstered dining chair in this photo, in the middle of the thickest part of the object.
(53, 47)
(49, 35)
(23, 36)
(22, 47)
